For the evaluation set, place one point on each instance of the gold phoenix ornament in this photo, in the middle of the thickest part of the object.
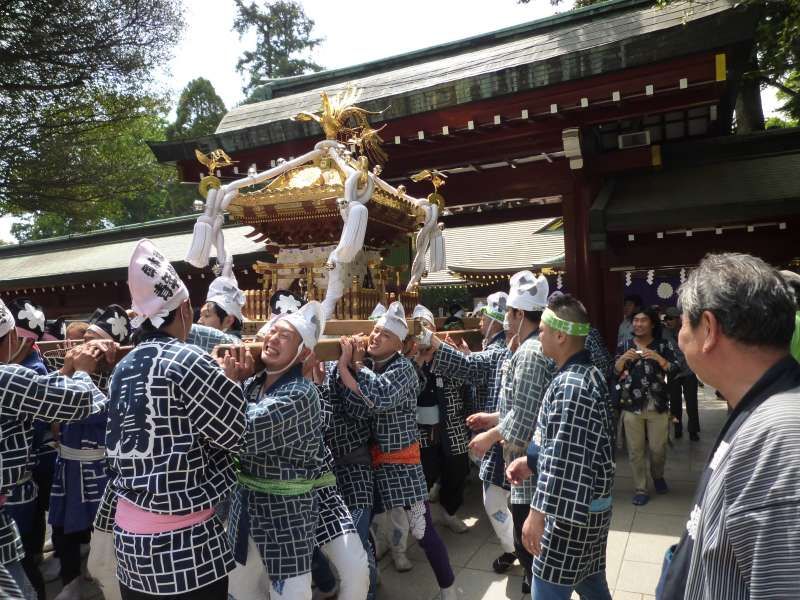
(438, 179)
(342, 120)
(213, 161)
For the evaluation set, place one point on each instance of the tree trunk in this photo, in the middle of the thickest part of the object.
(749, 112)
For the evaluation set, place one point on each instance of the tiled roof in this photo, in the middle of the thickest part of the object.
(505, 67)
(100, 256)
(499, 248)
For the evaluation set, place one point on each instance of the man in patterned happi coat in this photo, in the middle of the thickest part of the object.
(286, 502)
(482, 369)
(376, 375)
(80, 476)
(571, 458)
(347, 435)
(64, 396)
(525, 377)
(175, 420)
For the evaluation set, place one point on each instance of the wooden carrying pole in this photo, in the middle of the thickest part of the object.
(329, 349)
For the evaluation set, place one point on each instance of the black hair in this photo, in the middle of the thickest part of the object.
(569, 308)
(221, 314)
(534, 316)
(651, 314)
(636, 299)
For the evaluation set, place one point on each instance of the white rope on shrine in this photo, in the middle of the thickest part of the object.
(208, 230)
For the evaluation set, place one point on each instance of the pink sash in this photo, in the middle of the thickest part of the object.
(137, 520)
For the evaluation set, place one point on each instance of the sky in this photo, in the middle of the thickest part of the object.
(353, 32)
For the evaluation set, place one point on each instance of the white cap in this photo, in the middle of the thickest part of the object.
(309, 322)
(6, 320)
(528, 292)
(394, 320)
(224, 292)
(420, 312)
(496, 306)
(156, 290)
(377, 312)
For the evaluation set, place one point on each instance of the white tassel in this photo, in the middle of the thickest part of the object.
(352, 239)
(335, 289)
(438, 258)
(202, 237)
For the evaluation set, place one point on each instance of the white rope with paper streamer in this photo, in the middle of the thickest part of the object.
(424, 239)
(208, 228)
(355, 216)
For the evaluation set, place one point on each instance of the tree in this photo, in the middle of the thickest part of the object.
(775, 59)
(60, 63)
(199, 111)
(106, 176)
(283, 33)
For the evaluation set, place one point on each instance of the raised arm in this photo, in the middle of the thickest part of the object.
(51, 397)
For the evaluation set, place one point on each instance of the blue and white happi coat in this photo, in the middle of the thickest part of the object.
(27, 396)
(283, 442)
(21, 502)
(174, 422)
(206, 338)
(347, 435)
(574, 451)
(80, 475)
(525, 377)
(484, 370)
(390, 395)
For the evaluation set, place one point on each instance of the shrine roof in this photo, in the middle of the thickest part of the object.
(734, 180)
(574, 45)
(96, 255)
(500, 248)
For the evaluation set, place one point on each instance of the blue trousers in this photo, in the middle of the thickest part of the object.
(594, 587)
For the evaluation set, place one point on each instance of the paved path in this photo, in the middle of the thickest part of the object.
(637, 541)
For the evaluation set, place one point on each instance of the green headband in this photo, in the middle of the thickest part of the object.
(497, 316)
(550, 319)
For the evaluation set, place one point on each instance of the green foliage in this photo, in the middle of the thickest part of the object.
(283, 35)
(199, 111)
(74, 111)
(443, 297)
(103, 177)
(59, 61)
(776, 59)
(778, 123)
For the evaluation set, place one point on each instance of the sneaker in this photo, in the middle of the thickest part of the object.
(401, 562)
(640, 499)
(695, 437)
(71, 591)
(660, 485)
(51, 569)
(504, 562)
(433, 496)
(320, 595)
(449, 593)
(526, 585)
(453, 523)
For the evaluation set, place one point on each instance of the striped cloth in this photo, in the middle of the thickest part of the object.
(742, 538)
(747, 532)
(526, 376)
